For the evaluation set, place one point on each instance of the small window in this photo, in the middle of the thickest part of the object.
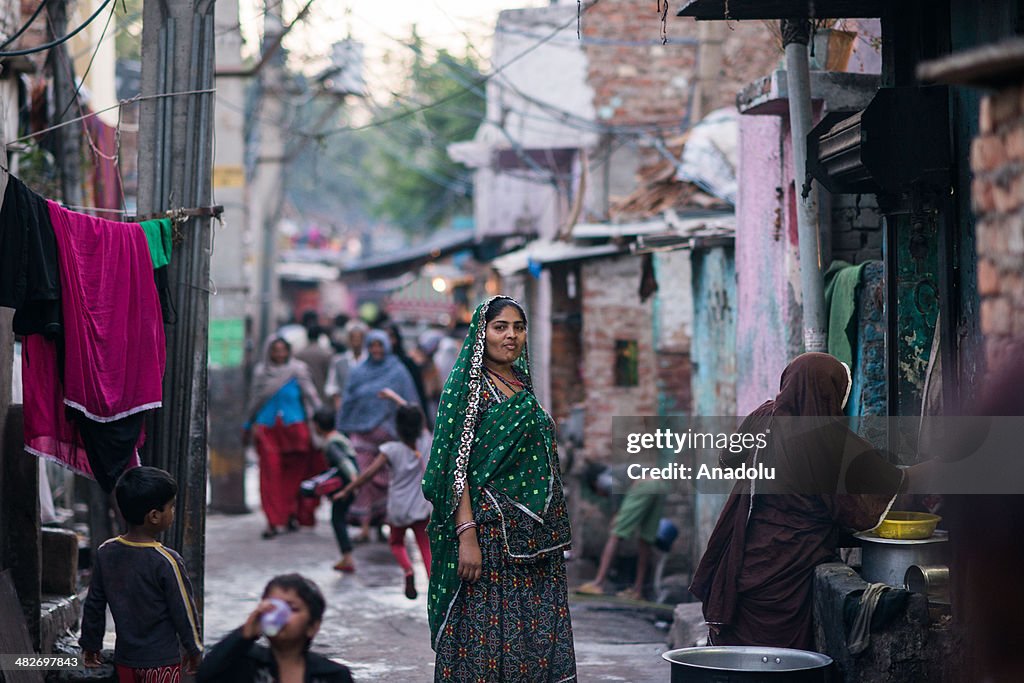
(626, 370)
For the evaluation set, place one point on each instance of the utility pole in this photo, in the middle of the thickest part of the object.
(67, 141)
(175, 152)
(228, 308)
(268, 191)
(795, 36)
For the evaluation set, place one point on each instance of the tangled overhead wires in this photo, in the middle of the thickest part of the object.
(25, 26)
(58, 41)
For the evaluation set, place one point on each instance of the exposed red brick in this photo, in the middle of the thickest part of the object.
(988, 278)
(995, 316)
(1005, 107)
(981, 196)
(985, 124)
(987, 153)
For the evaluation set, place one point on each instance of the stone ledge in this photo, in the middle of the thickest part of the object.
(839, 91)
(908, 648)
(59, 614)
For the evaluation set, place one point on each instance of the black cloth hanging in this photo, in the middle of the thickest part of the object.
(29, 272)
(109, 446)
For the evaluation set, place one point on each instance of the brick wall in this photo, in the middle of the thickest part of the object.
(856, 234)
(612, 311)
(997, 159)
(637, 80)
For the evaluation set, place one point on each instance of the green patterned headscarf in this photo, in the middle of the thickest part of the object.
(509, 448)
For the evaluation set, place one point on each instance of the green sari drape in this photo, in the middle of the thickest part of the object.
(512, 452)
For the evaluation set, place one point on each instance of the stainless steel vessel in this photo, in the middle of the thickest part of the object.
(929, 580)
(886, 560)
(744, 664)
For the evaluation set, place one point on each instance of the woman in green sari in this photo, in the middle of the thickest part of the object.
(498, 603)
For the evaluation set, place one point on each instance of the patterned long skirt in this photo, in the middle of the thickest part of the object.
(513, 624)
(372, 499)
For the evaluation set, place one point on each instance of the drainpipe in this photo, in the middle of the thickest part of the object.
(795, 36)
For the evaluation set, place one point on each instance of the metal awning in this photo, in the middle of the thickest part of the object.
(549, 251)
(781, 9)
(683, 222)
(612, 230)
(306, 272)
(987, 66)
(412, 257)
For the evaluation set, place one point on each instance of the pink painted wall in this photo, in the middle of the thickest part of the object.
(769, 316)
(767, 275)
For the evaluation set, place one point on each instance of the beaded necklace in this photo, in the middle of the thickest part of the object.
(513, 384)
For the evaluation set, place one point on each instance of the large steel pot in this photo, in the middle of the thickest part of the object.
(748, 664)
(886, 560)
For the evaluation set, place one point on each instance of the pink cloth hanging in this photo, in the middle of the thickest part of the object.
(115, 350)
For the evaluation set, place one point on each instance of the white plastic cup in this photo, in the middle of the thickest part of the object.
(274, 620)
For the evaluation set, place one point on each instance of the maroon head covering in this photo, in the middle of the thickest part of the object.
(814, 385)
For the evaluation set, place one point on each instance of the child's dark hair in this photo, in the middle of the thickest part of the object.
(142, 489)
(409, 423)
(307, 591)
(324, 418)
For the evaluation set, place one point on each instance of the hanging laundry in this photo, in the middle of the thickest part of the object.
(58, 433)
(114, 349)
(158, 235)
(29, 275)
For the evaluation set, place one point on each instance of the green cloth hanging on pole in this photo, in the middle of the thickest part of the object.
(158, 235)
(842, 281)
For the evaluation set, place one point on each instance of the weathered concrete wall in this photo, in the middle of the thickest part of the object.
(768, 309)
(612, 311)
(523, 113)
(997, 159)
(715, 364)
(714, 328)
(673, 331)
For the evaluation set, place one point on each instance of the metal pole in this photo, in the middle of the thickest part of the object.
(796, 35)
(270, 167)
(174, 171)
(68, 141)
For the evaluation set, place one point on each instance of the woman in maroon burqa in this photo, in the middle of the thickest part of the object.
(756, 576)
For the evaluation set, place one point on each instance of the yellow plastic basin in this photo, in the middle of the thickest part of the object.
(907, 525)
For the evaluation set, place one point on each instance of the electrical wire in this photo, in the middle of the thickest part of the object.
(451, 96)
(59, 41)
(26, 25)
(121, 103)
(85, 74)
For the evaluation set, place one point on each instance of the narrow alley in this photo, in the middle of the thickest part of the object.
(370, 625)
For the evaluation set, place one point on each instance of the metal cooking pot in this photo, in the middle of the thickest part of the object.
(748, 664)
(886, 560)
